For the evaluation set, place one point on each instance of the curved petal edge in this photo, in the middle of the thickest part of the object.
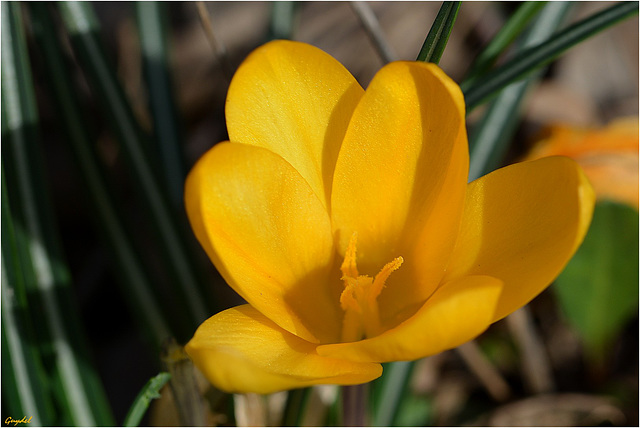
(456, 313)
(240, 350)
(295, 100)
(268, 235)
(522, 224)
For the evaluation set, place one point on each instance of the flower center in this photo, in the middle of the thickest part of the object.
(359, 300)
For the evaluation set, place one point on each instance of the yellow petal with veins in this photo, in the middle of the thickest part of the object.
(241, 350)
(269, 236)
(456, 313)
(295, 100)
(400, 180)
(522, 224)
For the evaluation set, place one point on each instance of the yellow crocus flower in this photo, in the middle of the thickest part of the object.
(345, 220)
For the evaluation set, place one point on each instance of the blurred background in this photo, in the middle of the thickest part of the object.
(122, 98)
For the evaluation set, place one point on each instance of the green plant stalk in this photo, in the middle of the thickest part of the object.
(25, 383)
(507, 34)
(82, 395)
(149, 392)
(82, 27)
(282, 22)
(371, 26)
(295, 407)
(187, 397)
(152, 28)
(134, 280)
(529, 60)
(490, 138)
(391, 392)
(438, 35)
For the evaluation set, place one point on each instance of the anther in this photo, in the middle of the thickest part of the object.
(360, 294)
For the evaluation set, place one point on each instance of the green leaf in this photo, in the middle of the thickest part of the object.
(438, 36)
(372, 27)
(82, 26)
(80, 392)
(25, 384)
(389, 392)
(149, 392)
(135, 282)
(152, 26)
(598, 290)
(531, 59)
(490, 137)
(283, 19)
(415, 411)
(295, 407)
(507, 34)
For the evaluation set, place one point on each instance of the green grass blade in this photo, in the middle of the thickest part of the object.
(82, 27)
(25, 385)
(134, 280)
(507, 34)
(282, 22)
(152, 27)
(371, 26)
(391, 392)
(438, 36)
(531, 59)
(295, 407)
(490, 138)
(82, 396)
(149, 392)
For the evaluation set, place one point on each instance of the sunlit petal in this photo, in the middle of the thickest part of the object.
(241, 350)
(400, 179)
(295, 100)
(456, 313)
(522, 224)
(269, 236)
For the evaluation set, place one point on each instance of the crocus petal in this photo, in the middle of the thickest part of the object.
(400, 179)
(457, 312)
(522, 224)
(269, 236)
(295, 100)
(241, 350)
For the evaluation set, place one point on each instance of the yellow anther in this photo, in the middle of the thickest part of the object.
(360, 294)
(348, 267)
(383, 275)
(348, 300)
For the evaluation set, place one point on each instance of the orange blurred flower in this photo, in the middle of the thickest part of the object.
(608, 156)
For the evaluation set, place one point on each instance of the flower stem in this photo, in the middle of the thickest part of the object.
(353, 405)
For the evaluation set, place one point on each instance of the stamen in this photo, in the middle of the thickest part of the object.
(381, 278)
(348, 267)
(359, 299)
(348, 300)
